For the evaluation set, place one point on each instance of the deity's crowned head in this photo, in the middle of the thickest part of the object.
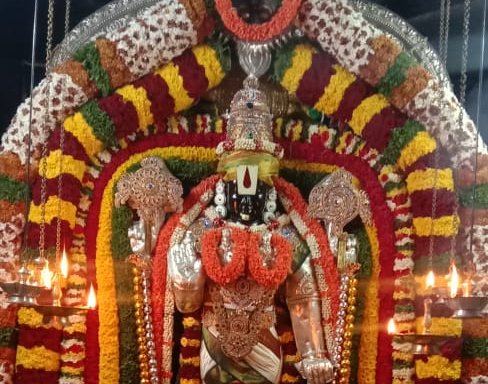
(249, 158)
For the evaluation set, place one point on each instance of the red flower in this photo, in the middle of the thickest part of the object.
(274, 276)
(228, 273)
(257, 32)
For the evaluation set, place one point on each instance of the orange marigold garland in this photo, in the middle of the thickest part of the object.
(224, 274)
(257, 32)
(274, 276)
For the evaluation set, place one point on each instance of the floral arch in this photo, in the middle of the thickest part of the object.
(118, 100)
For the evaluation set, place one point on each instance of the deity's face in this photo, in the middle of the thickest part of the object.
(246, 209)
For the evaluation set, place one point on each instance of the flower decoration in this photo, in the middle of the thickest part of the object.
(224, 274)
(281, 20)
(273, 276)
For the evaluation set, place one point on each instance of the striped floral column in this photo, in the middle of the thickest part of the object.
(38, 349)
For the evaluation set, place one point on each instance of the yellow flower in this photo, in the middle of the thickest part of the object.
(286, 378)
(138, 98)
(190, 381)
(299, 165)
(292, 358)
(29, 317)
(442, 226)
(368, 108)
(52, 206)
(300, 63)
(189, 342)
(421, 145)
(430, 178)
(369, 337)
(69, 164)
(397, 355)
(171, 75)
(195, 361)
(297, 131)
(206, 56)
(76, 327)
(333, 94)
(190, 322)
(76, 280)
(442, 326)
(37, 358)
(79, 128)
(72, 370)
(438, 367)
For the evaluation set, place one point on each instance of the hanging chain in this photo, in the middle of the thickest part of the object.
(61, 149)
(42, 226)
(444, 24)
(445, 14)
(67, 17)
(462, 95)
(464, 55)
(29, 134)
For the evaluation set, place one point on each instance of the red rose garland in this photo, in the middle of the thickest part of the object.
(269, 277)
(226, 274)
(257, 32)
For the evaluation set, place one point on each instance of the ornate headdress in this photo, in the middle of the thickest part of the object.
(249, 138)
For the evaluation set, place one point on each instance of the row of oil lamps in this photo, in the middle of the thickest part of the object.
(460, 301)
(39, 286)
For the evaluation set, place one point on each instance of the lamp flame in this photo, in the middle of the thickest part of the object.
(47, 276)
(64, 264)
(454, 280)
(92, 298)
(430, 279)
(392, 327)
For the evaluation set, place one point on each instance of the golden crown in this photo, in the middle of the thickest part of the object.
(249, 124)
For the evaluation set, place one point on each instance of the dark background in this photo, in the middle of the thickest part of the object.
(16, 19)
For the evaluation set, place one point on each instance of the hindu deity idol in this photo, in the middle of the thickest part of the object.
(240, 249)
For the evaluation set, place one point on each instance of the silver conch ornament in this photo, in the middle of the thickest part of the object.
(150, 190)
(337, 201)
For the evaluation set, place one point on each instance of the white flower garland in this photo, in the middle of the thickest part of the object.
(64, 97)
(159, 34)
(340, 31)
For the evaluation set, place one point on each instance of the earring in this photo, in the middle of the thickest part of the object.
(220, 199)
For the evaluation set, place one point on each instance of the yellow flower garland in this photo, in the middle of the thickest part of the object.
(421, 145)
(29, 317)
(438, 367)
(331, 99)
(38, 358)
(83, 132)
(443, 226)
(368, 108)
(369, 336)
(68, 211)
(171, 75)
(299, 165)
(430, 178)
(300, 63)
(70, 165)
(142, 104)
(442, 326)
(206, 56)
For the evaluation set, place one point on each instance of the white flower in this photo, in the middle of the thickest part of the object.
(159, 34)
(64, 96)
(403, 264)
